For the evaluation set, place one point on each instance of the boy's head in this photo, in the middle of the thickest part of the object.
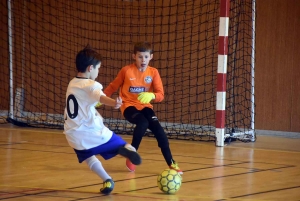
(142, 54)
(87, 57)
(142, 47)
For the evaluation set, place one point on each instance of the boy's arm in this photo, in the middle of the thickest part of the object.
(115, 84)
(158, 88)
(111, 102)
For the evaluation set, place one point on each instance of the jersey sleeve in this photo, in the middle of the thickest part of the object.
(158, 87)
(97, 92)
(116, 83)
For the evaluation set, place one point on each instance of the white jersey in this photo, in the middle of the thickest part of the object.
(84, 128)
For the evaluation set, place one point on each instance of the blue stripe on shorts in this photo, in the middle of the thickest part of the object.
(107, 150)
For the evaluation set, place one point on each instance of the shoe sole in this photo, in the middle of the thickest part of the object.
(130, 169)
(131, 155)
(106, 190)
(179, 172)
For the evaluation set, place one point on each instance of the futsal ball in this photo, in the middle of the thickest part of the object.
(169, 181)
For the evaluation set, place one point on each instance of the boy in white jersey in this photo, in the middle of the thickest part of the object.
(84, 128)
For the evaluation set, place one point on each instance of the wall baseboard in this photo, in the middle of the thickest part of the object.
(284, 134)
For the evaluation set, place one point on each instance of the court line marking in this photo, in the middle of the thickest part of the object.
(198, 143)
(145, 152)
(56, 152)
(203, 179)
(120, 193)
(174, 141)
(216, 177)
(269, 191)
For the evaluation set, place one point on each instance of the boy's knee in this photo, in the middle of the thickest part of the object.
(141, 121)
(154, 119)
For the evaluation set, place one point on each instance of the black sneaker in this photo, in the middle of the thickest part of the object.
(133, 156)
(108, 186)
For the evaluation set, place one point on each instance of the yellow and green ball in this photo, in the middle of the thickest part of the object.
(169, 181)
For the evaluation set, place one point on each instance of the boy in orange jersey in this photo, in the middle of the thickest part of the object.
(139, 85)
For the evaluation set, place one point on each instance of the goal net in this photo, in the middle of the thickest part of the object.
(40, 39)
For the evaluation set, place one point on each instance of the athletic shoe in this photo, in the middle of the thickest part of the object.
(108, 186)
(129, 165)
(133, 156)
(175, 166)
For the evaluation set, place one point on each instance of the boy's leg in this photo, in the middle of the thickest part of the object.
(161, 137)
(131, 160)
(135, 116)
(96, 166)
(117, 145)
(129, 152)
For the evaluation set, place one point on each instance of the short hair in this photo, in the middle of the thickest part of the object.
(86, 57)
(142, 47)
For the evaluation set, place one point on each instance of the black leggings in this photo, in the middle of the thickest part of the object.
(145, 119)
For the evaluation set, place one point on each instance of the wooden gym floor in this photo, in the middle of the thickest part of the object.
(38, 164)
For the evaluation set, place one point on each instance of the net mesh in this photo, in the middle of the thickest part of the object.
(46, 36)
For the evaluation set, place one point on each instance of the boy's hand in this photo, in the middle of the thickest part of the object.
(118, 102)
(146, 97)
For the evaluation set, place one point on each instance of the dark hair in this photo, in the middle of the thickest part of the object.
(87, 57)
(142, 47)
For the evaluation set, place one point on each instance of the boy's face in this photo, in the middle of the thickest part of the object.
(94, 71)
(142, 60)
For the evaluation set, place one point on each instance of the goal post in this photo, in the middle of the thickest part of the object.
(221, 97)
(203, 50)
(222, 71)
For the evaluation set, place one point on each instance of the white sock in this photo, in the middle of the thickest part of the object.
(96, 166)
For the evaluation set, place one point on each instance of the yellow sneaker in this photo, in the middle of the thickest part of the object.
(175, 166)
(108, 186)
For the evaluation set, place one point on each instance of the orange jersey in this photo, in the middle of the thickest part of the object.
(131, 82)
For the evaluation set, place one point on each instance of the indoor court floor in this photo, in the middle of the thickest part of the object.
(38, 164)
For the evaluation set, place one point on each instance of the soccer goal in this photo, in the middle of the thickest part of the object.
(204, 51)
